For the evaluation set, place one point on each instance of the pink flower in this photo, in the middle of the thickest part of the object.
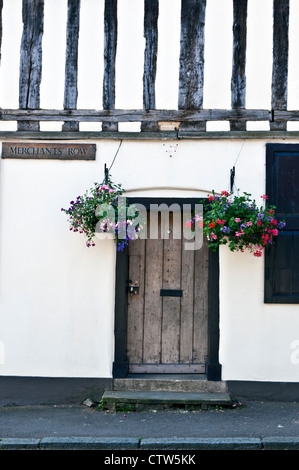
(237, 219)
(265, 238)
(264, 196)
(199, 220)
(257, 253)
(249, 223)
(239, 234)
(214, 236)
(220, 222)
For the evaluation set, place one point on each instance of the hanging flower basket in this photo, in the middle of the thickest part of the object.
(102, 213)
(238, 222)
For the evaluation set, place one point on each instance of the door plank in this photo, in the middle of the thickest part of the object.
(153, 301)
(135, 302)
(186, 336)
(200, 336)
(171, 305)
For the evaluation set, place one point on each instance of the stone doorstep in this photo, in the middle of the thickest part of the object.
(138, 400)
(166, 384)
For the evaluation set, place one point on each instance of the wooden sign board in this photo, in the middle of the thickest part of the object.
(48, 150)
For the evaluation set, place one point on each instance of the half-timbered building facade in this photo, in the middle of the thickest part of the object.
(177, 98)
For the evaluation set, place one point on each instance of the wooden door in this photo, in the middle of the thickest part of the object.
(167, 314)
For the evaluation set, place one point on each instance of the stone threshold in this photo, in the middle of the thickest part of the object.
(136, 400)
(169, 383)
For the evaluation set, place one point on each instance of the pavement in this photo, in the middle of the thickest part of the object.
(245, 426)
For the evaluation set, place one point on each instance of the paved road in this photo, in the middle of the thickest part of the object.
(254, 419)
(253, 423)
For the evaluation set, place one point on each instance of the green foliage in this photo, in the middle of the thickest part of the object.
(102, 209)
(238, 222)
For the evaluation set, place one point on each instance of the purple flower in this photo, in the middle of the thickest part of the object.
(281, 224)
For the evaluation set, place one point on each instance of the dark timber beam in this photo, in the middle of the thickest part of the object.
(151, 12)
(238, 80)
(110, 45)
(1, 7)
(191, 74)
(71, 62)
(135, 115)
(280, 59)
(31, 58)
(145, 136)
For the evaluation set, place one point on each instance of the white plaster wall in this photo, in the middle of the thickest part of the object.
(57, 296)
(258, 341)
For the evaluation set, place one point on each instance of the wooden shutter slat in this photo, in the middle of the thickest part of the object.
(285, 270)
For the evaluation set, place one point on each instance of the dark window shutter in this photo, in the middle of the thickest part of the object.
(282, 188)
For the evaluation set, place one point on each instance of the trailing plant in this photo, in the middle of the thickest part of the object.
(103, 210)
(238, 222)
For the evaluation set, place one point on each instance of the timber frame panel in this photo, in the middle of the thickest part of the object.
(189, 119)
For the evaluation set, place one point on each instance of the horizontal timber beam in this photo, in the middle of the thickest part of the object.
(162, 135)
(135, 115)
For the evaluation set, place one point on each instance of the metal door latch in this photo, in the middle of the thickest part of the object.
(133, 288)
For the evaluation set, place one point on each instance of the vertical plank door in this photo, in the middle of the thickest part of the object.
(167, 317)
